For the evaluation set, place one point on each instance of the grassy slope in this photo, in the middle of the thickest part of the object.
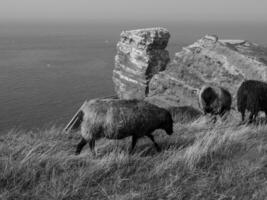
(198, 161)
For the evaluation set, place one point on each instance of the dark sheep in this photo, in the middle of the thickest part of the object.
(118, 119)
(215, 100)
(252, 96)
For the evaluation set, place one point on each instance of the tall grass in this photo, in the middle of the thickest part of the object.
(199, 161)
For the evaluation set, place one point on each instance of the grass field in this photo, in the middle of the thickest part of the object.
(199, 161)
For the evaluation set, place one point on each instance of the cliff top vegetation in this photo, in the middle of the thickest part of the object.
(199, 161)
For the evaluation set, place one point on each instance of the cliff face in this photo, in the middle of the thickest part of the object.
(141, 69)
(208, 61)
(140, 55)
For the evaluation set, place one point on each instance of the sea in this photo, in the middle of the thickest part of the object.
(48, 69)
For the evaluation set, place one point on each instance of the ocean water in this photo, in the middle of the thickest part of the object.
(48, 70)
(43, 79)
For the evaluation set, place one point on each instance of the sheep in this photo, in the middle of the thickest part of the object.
(118, 119)
(252, 96)
(215, 100)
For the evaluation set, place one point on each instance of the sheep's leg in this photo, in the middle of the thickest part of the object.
(134, 140)
(153, 140)
(80, 146)
(243, 115)
(251, 117)
(92, 146)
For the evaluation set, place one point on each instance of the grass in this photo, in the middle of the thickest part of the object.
(199, 161)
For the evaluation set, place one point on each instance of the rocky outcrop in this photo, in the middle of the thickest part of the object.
(140, 55)
(208, 61)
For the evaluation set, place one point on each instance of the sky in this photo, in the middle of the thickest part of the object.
(78, 10)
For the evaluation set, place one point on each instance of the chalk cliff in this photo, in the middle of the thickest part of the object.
(140, 55)
(142, 69)
(208, 61)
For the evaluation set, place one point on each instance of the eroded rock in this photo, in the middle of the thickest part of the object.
(140, 55)
(211, 61)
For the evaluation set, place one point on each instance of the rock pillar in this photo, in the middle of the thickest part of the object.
(140, 55)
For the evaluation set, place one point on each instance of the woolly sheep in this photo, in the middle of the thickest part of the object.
(252, 96)
(215, 100)
(118, 119)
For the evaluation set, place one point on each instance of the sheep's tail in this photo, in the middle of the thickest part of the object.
(76, 120)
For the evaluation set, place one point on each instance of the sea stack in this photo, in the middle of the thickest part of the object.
(140, 55)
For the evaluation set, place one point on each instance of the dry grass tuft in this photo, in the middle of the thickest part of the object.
(199, 161)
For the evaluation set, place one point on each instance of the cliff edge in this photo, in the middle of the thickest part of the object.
(212, 61)
(142, 68)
